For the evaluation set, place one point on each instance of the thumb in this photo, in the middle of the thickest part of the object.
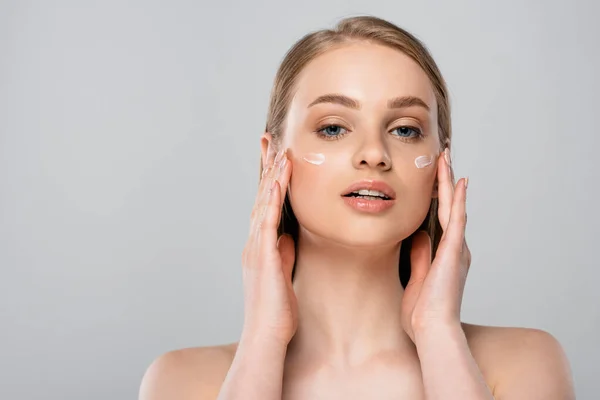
(420, 257)
(287, 252)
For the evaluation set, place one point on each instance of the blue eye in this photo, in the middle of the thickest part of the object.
(405, 131)
(331, 131)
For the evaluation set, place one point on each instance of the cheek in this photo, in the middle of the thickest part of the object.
(420, 190)
(308, 180)
(312, 192)
(424, 177)
(420, 182)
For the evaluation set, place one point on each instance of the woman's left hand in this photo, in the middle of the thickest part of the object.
(433, 295)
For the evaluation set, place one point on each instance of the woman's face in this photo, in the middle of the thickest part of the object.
(368, 133)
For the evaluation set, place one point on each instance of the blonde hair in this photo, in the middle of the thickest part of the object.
(373, 30)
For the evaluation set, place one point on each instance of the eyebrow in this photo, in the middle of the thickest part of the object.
(396, 102)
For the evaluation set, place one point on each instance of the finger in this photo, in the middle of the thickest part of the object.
(466, 251)
(445, 190)
(269, 220)
(271, 154)
(455, 234)
(253, 245)
(260, 201)
(259, 205)
(268, 164)
(274, 173)
(287, 252)
(420, 257)
(285, 172)
(263, 186)
(466, 254)
(268, 175)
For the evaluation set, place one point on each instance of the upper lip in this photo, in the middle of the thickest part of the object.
(371, 184)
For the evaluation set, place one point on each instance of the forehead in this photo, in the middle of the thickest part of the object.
(370, 73)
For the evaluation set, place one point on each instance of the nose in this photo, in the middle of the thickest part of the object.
(373, 153)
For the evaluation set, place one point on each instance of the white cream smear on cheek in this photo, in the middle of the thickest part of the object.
(423, 161)
(314, 158)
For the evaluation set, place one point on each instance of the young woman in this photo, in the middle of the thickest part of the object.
(356, 260)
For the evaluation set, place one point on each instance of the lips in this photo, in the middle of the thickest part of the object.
(370, 184)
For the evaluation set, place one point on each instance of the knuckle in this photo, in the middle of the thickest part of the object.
(267, 171)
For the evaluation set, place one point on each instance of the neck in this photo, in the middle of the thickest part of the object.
(349, 302)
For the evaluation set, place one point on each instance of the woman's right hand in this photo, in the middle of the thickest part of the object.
(270, 307)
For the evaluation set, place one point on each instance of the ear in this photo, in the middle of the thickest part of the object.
(266, 146)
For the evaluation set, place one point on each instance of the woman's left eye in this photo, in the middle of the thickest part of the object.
(405, 132)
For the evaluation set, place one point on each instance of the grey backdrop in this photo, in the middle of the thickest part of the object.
(128, 166)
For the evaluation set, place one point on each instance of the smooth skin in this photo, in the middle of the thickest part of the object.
(412, 344)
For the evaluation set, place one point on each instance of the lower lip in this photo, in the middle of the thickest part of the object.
(368, 206)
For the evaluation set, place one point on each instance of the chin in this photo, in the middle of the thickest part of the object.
(355, 234)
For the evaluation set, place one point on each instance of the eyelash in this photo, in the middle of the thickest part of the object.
(419, 134)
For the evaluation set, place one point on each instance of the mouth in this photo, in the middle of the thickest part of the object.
(368, 195)
(370, 190)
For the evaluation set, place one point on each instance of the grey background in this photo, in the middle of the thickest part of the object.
(128, 166)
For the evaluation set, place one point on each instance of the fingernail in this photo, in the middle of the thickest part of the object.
(466, 182)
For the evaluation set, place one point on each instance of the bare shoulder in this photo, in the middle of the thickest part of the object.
(191, 373)
(521, 362)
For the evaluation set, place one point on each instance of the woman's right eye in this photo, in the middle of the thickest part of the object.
(331, 131)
